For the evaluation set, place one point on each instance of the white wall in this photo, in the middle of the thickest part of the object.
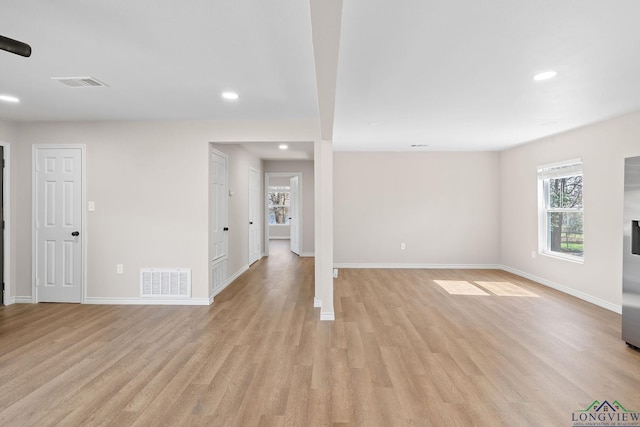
(239, 163)
(279, 180)
(602, 148)
(150, 184)
(449, 208)
(306, 167)
(443, 206)
(8, 131)
(279, 232)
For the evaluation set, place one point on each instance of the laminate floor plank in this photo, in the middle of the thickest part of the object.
(342, 391)
(401, 352)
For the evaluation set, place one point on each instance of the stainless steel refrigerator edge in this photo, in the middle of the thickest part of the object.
(631, 256)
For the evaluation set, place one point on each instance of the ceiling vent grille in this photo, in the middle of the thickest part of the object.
(79, 81)
(156, 282)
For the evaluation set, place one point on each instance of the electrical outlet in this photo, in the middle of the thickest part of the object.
(335, 273)
(402, 246)
(119, 269)
(92, 206)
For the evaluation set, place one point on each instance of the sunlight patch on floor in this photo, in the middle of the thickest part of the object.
(506, 289)
(460, 287)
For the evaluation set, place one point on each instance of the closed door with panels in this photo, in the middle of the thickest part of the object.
(58, 224)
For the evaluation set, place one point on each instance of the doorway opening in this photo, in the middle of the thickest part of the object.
(283, 219)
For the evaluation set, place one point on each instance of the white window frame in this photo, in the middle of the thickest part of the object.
(278, 189)
(556, 170)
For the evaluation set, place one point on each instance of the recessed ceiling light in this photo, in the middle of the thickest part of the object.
(9, 98)
(419, 145)
(283, 146)
(231, 96)
(546, 75)
(549, 124)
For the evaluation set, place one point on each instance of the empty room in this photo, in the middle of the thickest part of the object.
(320, 213)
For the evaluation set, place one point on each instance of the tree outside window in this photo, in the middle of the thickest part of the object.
(279, 205)
(562, 210)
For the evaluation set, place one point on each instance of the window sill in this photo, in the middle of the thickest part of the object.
(562, 257)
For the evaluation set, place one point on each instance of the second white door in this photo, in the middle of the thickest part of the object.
(294, 214)
(218, 220)
(254, 216)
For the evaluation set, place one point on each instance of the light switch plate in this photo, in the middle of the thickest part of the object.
(92, 206)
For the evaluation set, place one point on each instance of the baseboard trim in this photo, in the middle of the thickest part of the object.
(229, 281)
(419, 266)
(308, 254)
(21, 300)
(145, 301)
(565, 289)
(280, 238)
(327, 316)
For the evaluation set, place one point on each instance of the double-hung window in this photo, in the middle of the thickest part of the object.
(561, 210)
(279, 205)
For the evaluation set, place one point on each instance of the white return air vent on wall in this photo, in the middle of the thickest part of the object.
(157, 282)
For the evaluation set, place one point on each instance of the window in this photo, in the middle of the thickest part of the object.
(561, 210)
(279, 205)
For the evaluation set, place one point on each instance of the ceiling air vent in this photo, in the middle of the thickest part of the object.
(79, 81)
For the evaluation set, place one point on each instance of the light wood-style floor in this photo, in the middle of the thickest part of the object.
(402, 352)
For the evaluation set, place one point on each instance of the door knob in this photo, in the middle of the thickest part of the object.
(75, 233)
(225, 229)
(250, 222)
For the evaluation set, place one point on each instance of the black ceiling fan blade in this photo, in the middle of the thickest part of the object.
(14, 46)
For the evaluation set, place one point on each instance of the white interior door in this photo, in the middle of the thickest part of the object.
(219, 208)
(58, 224)
(254, 216)
(218, 220)
(294, 214)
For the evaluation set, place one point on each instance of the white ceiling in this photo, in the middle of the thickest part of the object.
(302, 150)
(457, 74)
(162, 59)
(452, 74)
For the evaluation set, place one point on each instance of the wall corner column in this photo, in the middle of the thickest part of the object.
(323, 173)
